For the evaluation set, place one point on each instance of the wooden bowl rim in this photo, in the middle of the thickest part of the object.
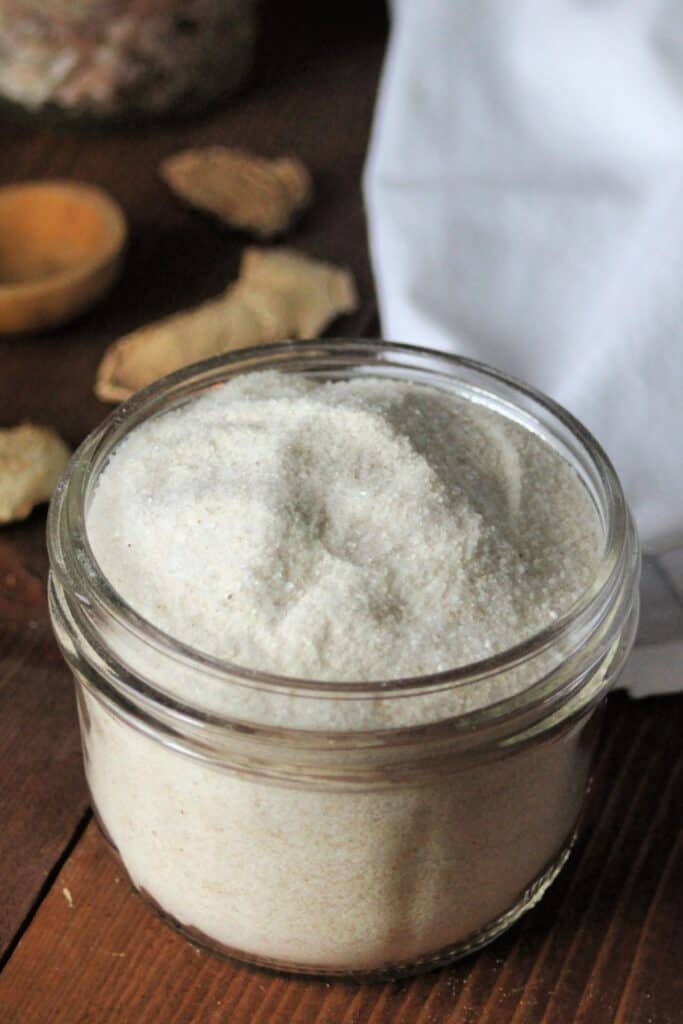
(109, 210)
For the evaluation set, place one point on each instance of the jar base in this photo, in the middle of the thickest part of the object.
(430, 962)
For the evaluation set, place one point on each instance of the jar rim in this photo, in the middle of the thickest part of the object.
(75, 567)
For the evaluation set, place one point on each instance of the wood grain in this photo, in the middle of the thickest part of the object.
(42, 796)
(176, 258)
(603, 946)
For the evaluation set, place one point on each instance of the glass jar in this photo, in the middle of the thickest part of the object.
(265, 832)
(107, 58)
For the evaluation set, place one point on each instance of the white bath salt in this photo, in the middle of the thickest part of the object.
(358, 530)
(361, 530)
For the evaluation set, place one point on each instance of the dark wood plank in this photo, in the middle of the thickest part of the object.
(318, 106)
(602, 947)
(43, 796)
(312, 93)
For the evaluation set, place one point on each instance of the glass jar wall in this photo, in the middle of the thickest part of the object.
(243, 814)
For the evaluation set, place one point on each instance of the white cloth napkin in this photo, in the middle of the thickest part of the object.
(524, 190)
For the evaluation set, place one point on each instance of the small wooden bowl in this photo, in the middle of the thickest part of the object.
(61, 246)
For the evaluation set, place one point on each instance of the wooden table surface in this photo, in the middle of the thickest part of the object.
(76, 944)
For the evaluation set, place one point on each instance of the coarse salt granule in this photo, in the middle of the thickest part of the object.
(357, 530)
(362, 530)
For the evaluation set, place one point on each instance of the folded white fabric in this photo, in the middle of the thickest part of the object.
(524, 190)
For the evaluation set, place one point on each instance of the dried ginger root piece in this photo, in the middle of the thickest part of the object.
(310, 293)
(249, 192)
(280, 294)
(166, 345)
(31, 461)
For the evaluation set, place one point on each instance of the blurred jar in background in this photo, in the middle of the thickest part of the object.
(123, 58)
